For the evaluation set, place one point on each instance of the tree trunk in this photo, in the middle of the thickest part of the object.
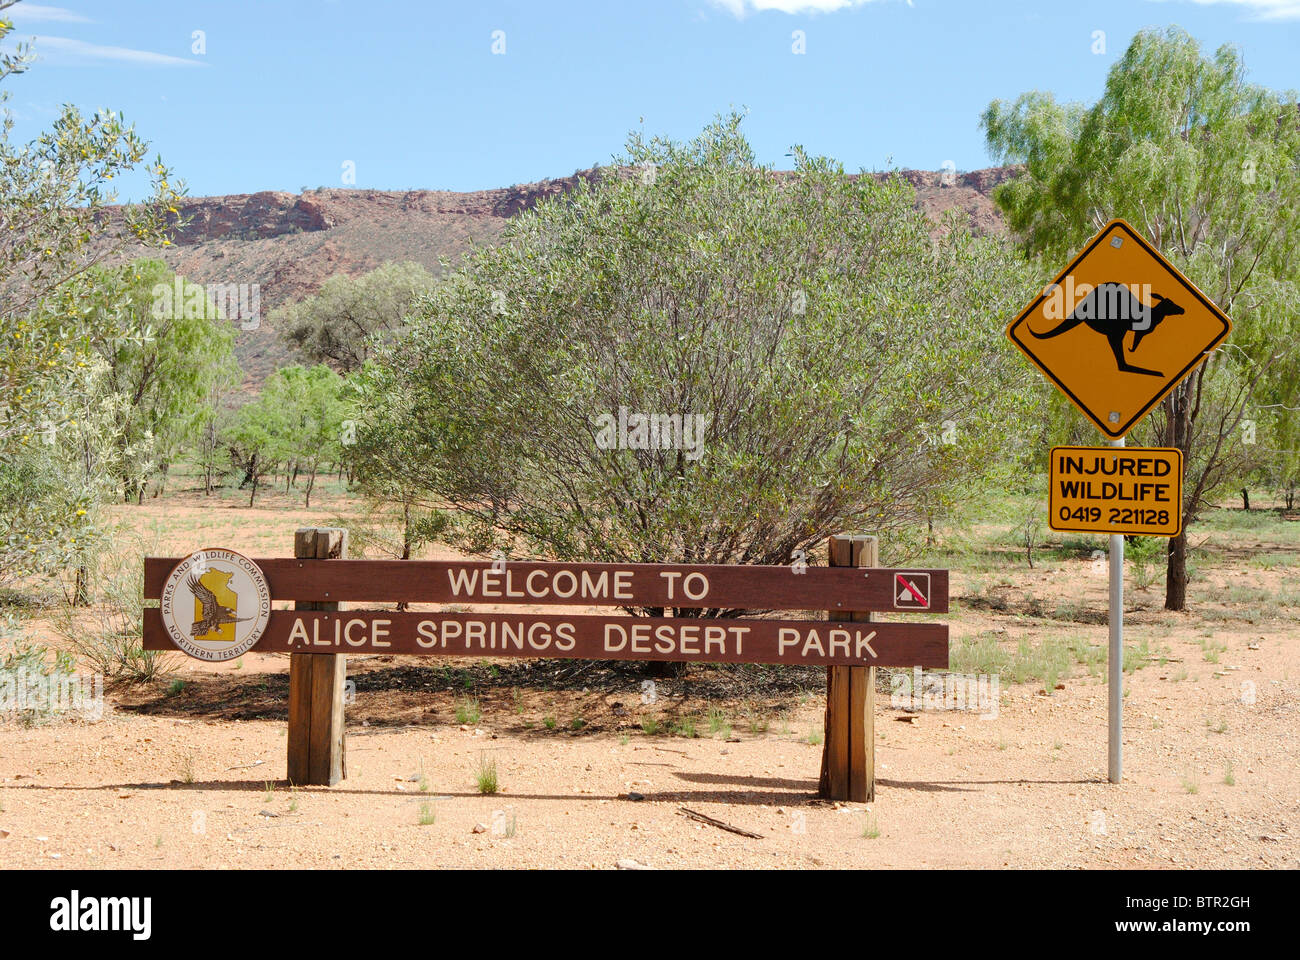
(311, 482)
(252, 495)
(406, 542)
(1178, 433)
(1176, 573)
(81, 590)
(1245, 499)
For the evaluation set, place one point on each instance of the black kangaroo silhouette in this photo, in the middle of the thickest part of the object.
(1112, 310)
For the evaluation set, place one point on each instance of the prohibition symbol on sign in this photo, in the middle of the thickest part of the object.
(912, 591)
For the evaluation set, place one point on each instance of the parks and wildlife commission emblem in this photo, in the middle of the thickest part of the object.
(215, 604)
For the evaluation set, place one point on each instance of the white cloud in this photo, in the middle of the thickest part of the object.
(34, 11)
(67, 50)
(739, 8)
(1257, 9)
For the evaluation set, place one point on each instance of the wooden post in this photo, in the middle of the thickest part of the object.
(849, 747)
(317, 750)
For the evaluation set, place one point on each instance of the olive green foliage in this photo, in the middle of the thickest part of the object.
(341, 324)
(1207, 167)
(302, 419)
(174, 354)
(848, 367)
(53, 229)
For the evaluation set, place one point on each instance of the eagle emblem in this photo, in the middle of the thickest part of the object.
(214, 613)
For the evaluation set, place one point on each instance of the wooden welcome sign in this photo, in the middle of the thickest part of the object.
(217, 605)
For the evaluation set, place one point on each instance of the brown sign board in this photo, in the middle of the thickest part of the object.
(719, 587)
(684, 639)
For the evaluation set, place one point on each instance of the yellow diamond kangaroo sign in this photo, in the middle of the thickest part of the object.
(1118, 329)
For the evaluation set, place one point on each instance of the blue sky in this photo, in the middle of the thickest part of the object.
(283, 93)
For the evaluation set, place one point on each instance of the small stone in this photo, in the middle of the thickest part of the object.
(634, 796)
(629, 864)
(479, 828)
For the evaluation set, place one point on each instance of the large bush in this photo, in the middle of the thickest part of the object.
(849, 370)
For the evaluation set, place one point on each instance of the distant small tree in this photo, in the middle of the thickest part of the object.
(172, 353)
(312, 413)
(297, 419)
(348, 316)
(1277, 429)
(214, 422)
(254, 440)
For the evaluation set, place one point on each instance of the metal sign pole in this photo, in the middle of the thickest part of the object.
(1115, 656)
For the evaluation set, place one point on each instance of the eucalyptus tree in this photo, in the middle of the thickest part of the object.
(341, 323)
(1207, 166)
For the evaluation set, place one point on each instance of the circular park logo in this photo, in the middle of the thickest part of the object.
(215, 604)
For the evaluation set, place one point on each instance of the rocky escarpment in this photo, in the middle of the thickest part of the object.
(289, 244)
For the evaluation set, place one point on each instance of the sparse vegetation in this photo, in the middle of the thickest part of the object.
(469, 711)
(485, 778)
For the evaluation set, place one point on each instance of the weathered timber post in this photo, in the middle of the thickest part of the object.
(849, 747)
(317, 751)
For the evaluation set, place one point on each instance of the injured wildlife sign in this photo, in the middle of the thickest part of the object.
(1116, 490)
(1118, 329)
